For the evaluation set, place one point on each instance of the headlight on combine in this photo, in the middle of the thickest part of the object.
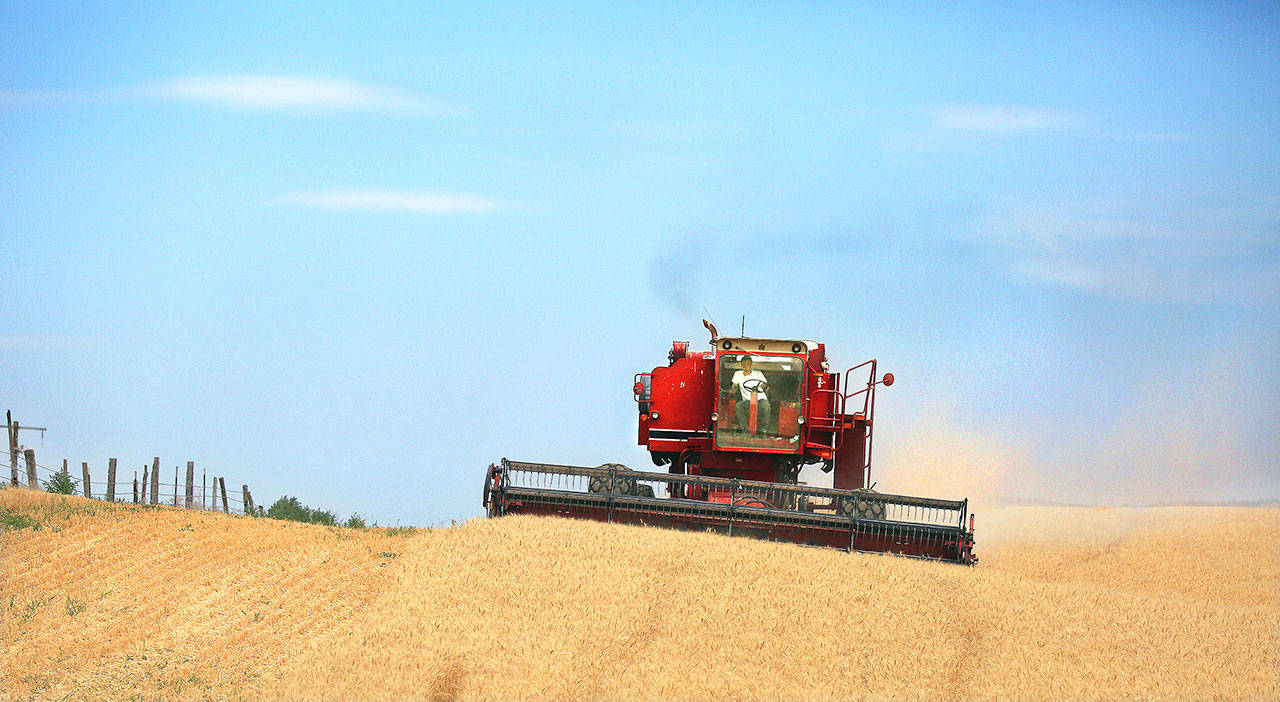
(654, 414)
(715, 416)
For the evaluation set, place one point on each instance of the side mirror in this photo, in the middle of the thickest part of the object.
(887, 379)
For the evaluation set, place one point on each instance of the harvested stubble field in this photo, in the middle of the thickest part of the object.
(111, 601)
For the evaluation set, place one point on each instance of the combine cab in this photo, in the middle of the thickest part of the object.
(733, 427)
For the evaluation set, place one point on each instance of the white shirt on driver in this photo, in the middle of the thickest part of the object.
(739, 378)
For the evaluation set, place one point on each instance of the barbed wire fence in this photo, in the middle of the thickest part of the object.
(147, 486)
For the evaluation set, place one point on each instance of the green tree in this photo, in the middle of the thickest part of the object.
(61, 483)
(292, 509)
(355, 521)
(289, 508)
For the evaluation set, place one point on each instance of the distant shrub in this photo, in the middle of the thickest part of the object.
(355, 521)
(324, 516)
(292, 509)
(289, 508)
(61, 483)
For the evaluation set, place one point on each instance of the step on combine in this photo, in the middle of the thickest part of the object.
(733, 427)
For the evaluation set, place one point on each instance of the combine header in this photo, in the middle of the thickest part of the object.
(733, 427)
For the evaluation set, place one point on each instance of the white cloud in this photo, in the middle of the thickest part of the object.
(414, 201)
(1140, 253)
(33, 342)
(1000, 118)
(239, 92)
(24, 98)
(43, 97)
(276, 92)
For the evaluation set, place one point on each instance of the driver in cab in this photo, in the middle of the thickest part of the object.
(750, 382)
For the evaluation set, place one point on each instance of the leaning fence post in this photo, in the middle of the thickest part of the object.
(111, 480)
(33, 480)
(191, 477)
(13, 447)
(84, 468)
(222, 486)
(155, 481)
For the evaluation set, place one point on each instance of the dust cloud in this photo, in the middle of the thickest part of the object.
(950, 462)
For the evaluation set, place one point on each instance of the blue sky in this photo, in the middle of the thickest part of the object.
(356, 254)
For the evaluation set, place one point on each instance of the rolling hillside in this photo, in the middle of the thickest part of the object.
(115, 601)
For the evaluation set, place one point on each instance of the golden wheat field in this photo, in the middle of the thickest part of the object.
(115, 602)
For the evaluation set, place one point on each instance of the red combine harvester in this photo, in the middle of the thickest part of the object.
(734, 426)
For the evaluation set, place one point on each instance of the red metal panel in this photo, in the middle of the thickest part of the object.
(683, 395)
(850, 460)
(788, 418)
(862, 539)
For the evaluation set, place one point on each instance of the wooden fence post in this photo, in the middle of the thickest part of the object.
(248, 500)
(204, 488)
(191, 480)
(222, 486)
(155, 481)
(145, 475)
(84, 468)
(111, 480)
(33, 480)
(175, 486)
(13, 447)
(65, 474)
(135, 487)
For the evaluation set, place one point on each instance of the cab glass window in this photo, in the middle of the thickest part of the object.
(759, 401)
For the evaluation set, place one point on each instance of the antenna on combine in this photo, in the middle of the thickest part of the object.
(744, 325)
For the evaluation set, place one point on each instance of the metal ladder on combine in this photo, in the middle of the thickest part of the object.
(837, 421)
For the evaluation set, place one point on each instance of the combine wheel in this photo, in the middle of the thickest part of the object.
(623, 484)
(862, 507)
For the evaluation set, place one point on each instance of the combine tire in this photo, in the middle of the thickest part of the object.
(862, 507)
(623, 485)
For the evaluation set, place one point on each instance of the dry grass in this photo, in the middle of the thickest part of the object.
(113, 602)
(1173, 603)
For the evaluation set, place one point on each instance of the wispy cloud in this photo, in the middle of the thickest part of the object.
(1000, 118)
(29, 342)
(413, 201)
(49, 96)
(237, 92)
(276, 92)
(1141, 253)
